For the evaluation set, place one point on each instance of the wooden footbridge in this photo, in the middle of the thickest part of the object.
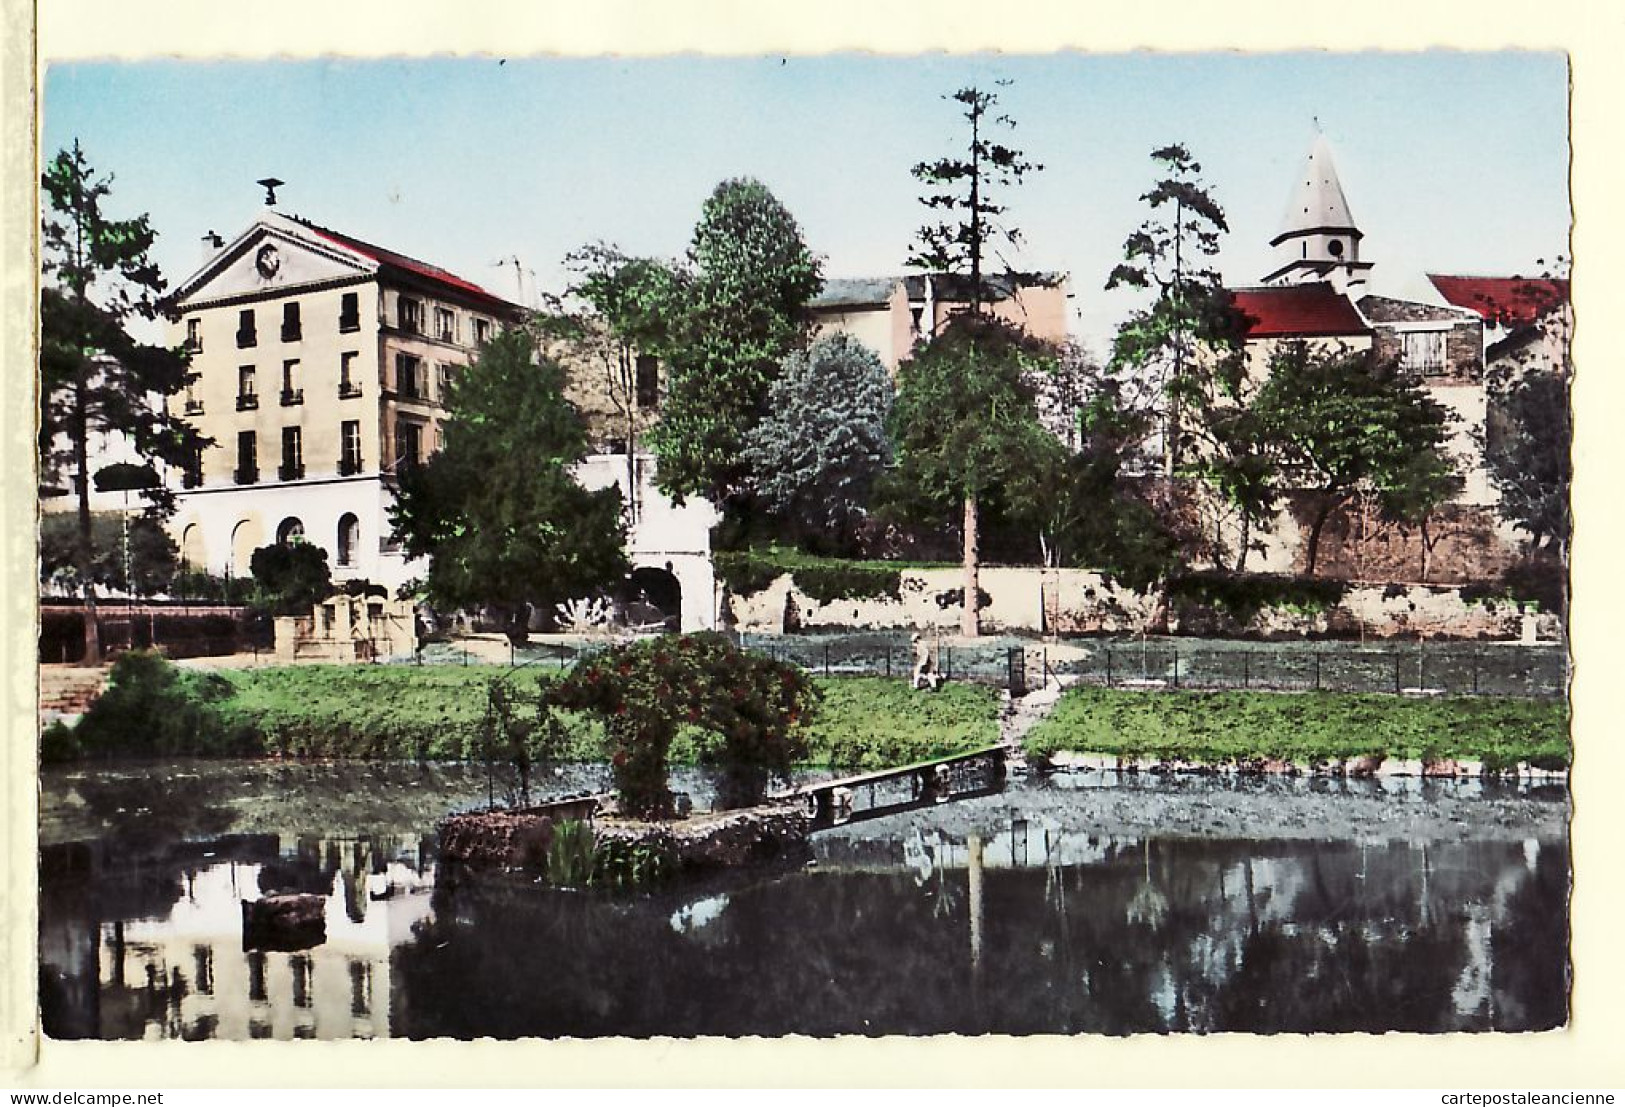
(978, 772)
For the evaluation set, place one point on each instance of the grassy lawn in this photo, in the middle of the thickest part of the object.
(429, 712)
(1226, 727)
(436, 713)
(879, 722)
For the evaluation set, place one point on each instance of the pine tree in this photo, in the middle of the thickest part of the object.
(968, 188)
(95, 378)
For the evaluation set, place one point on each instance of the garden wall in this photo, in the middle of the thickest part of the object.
(1077, 601)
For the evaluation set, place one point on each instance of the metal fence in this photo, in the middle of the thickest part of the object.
(1019, 664)
(1454, 668)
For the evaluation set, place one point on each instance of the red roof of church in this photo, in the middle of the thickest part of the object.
(1298, 311)
(409, 265)
(1506, 301)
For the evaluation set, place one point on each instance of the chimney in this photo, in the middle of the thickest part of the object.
(211, 245)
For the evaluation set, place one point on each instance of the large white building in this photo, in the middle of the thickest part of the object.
(321, 363)
(321, 366)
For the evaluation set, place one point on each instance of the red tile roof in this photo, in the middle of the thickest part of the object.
(1298, 311)
(409, 265)
(1505, 301)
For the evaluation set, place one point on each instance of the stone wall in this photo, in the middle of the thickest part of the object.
(728, 839)
(1077, 601)
(1356, 544)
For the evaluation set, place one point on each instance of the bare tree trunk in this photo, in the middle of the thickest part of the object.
(84, 555)
(629, 386)
(1246, 539)
(970, 622)
(1314, 536)
(1427, 550)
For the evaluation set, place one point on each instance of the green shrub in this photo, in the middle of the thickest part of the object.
(619, 863)
(745, 573)
(833, 581)
(154, 709)
(58, 744)
(1243, 597)
(571, 854)
(645, 691)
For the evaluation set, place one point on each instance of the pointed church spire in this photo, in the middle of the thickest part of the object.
(1317, 200)
(1319, 239)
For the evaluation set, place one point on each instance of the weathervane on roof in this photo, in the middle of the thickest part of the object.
(270, 184)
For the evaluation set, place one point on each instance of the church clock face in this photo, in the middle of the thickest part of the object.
(267, 261)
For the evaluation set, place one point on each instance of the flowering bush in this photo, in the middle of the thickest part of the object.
(748, 709)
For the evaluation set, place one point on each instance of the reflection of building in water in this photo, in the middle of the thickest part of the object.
(186, 975)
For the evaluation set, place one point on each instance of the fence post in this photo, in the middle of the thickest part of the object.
(1317, 670)
(826, 659)
(888, 659)
(1396, 672)
(1475, 672)
(1176, 668)
(1108, 668)
(948, 668)
(1246, 669)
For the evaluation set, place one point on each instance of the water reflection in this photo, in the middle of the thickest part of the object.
(1041, 928)
(152, 948)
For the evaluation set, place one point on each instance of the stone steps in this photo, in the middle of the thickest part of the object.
(69, 689)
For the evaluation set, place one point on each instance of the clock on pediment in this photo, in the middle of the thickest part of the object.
(267, 261)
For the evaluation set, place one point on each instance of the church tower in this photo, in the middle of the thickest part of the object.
(1318, 239)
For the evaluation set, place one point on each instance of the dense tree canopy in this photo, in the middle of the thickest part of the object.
(95, 378)
(1187, 341)
(497, 512)
(1529, 436)
(966, 429)
(979, 382)
(1345, 423)
(618, 312)
(823, 443)
(735, 317)
(152, 555)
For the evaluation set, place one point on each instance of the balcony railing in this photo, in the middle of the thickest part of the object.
(193, 344)
(350, 322)
(246, 339)
(291, 334)
(194, 407)
(349, 466)
(191, 478)
(250, 475)
(248, 402)
(292, 397)
(290, 472)
(349, 390)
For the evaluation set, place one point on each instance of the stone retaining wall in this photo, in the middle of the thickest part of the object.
(1077, 601)
(731, 839)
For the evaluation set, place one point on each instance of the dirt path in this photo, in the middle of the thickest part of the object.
(1021, 715)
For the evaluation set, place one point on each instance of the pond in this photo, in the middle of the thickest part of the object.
(1074, 903)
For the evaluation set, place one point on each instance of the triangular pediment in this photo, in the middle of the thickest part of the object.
(271, 259)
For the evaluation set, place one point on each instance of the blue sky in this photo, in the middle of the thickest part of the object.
(1451, 161)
